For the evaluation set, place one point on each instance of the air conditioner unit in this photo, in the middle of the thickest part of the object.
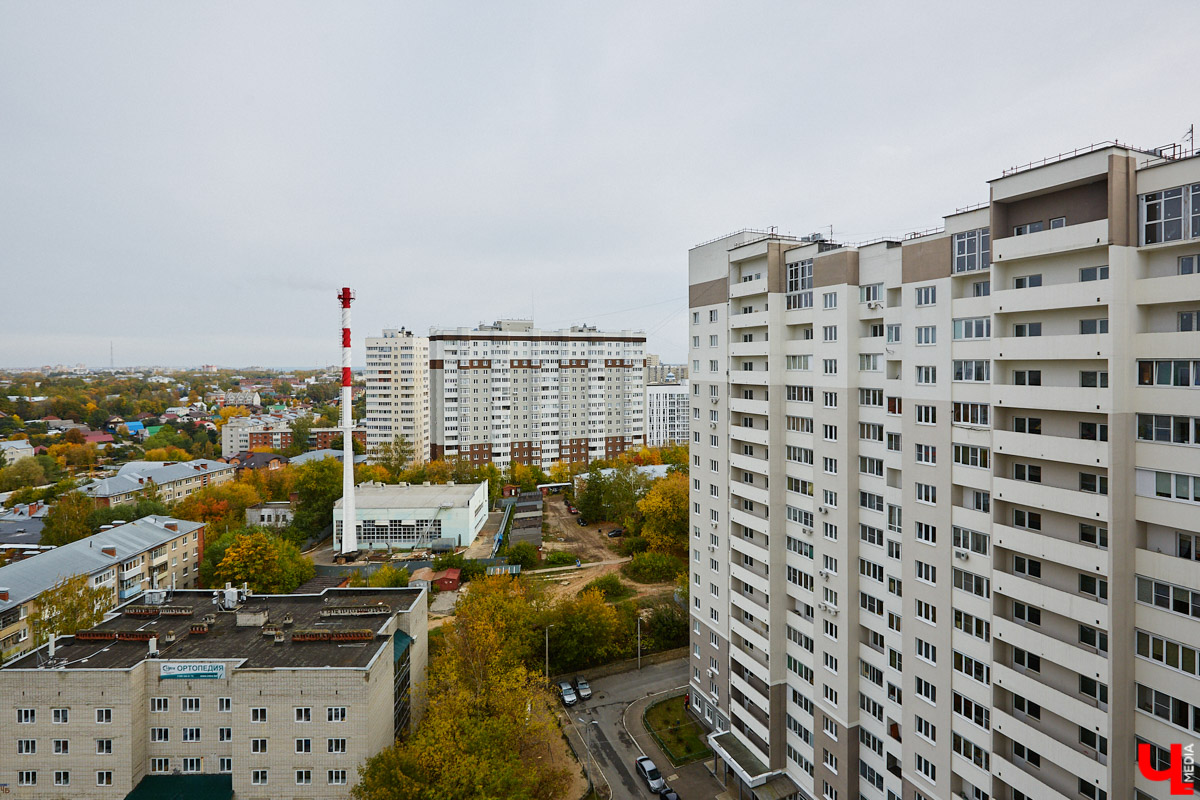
(711, 672)
(712, 548)
(714, 523)
(874, 304)
(807, 531)
(823, 509)
(823, 573)
(715, 400)
(960, 553)
(831, 609)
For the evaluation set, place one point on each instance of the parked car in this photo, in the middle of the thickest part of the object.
(654, 779)
(615, 532)
(668, 793)
(567, 694)
(581, 522)
(581, 688)
(572, 510)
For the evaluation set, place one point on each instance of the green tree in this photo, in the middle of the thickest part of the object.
(666, 626)
(71, 605)
(267, 563)
(128, 511)
(394, 456)
(653, 567)
(523, 553)
(623, 488)
(319, 486)
(591, 499)
(67, 520)
(301, 429)
(25, 472)
(386, 577)
(587, 631)
(338, 444)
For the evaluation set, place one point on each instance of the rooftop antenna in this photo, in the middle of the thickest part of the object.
(349, 513)
(110, 355)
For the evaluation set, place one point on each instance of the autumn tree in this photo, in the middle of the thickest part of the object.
(394, 456)
(67, 520)
(587, 631)
(319, 486)
(167, 454)
(386, 577)
(222, 507)
(665, 514)
(25, 472)
(489, 720)
(267, 563)
(71, 605)
(229, 412)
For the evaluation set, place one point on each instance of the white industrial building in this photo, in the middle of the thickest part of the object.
(407, 516)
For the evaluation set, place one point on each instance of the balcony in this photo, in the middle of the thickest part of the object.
(1091, 560)
(1063, 705)
(1165, 567)
(747, 349)
(1052, 448)
(1168, 513)
(1167, 344)
(1051, 498)
(748, 288)
(1084, 294)
(757, 377)
(757, 319)
(1072, 759)
(750, 435)
(1054, 398)
(1068, 604)
(1166, 289)
(1066, 347)
(1083, 236)
(1023, 781)
(740, 405)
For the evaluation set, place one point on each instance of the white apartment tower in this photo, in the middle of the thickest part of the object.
(668, 406)
(510, 393)
(946, 495)
(398, 390)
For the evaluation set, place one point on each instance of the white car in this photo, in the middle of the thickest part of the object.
(654, 778)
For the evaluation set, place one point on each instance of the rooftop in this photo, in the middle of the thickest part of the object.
(338, 628)
(132, 477)
(375, 495)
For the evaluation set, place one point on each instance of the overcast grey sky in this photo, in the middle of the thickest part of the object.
(194, 181)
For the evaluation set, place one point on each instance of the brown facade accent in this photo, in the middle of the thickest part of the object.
(835, 268)
(615, 445)
(709, 293)
(436, 363)
(1087, 202)
(776, 266)
(618, 363)
(573, 363)
(522, 363)
(476, 454)
(778, 712)
(275, 440)
(573, 451)
(475, 363)
(926, 259)
(845, 749)
(323, 438)
(436, 452)
(1122, 201)
(527, 453)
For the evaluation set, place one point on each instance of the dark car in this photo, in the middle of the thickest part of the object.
(567, 694)
(668, 794)
(581, 522)
(615, 532)
(654, 779)
(581, 688)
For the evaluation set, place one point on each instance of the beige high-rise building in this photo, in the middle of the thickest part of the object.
(398, 390)
(511, 393)
(947, 494)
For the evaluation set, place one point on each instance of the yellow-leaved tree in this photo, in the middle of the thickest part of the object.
(665, 514)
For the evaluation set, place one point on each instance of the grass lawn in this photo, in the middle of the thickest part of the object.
(680, 736)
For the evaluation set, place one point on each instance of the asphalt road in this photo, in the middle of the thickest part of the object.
(613, 747)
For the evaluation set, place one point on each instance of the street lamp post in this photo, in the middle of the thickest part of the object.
(548, 627)
(639, 630)
(587, 763)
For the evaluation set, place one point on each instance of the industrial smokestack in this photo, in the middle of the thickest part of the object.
(349, 523)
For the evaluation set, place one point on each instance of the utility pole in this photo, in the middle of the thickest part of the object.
(639, 629)
(548, 627)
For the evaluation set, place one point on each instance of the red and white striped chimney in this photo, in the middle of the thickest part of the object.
(349, 514)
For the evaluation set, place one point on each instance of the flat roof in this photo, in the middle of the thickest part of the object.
(305, 644)
(397, 496)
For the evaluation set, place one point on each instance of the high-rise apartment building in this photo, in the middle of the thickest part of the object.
(508, 392)
(398, 390)
(658, 372)
(946, 494)
(668, 406)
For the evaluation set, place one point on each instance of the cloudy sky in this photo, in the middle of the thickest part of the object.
(193, 181)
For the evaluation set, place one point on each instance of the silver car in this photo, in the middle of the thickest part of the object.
(567, 694)
(654, 778)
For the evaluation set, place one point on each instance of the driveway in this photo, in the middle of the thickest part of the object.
(620, 738)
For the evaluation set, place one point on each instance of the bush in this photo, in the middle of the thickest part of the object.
(631, 545)
(611, 586)
(471, 568)
(522, 553)
(652, 568)
(560, 558)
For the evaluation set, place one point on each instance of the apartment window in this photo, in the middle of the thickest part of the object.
(926, 690)
(303, 777)
(973, 328)
(258, 745)
(926, 454)
(926, 295)
(1026, 329)
(926, 375)
(258, 777)
(927, 612)
(1093, 274)
(971, 583)
(981, 289)
(27, 777)
(160, 734)
(830, 433)
(1094, 587)
(829, 399)
(160, 765)
(224, 704)
(225, 734)
(1031, 425)
(926, 493)
(829, 299)
(893, 442)
(1093, 535)
(972, 456)
(927, 573)
(103, 716)
(869, 362)
(337, 777)
(1093, 325)
(190, 705)
(26, 747)
(870, 466)
(225, 765)
(1027, 377)
(695, 317)
(59, 716)
(158, 705)
(926, 334)
(104, 747)
(829, 333)
(892, 334)
(972, 250)
(62, 747)
(104, 778)
(870, 431)
(1026, 613)
(926, 533)
(712, 315)
(1163, 216)
(870, 293)
(797, 363)
(978, 371)
(1093, 379)
(870, 397)
(829, 366)
(1096, 484)
(336, 745)
(895, 406)
(1027, 281)
(967, 539)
